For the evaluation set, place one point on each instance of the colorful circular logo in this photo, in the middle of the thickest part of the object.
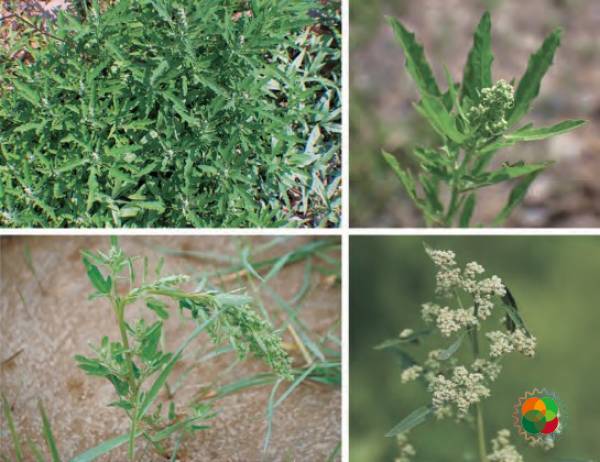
(538, 415)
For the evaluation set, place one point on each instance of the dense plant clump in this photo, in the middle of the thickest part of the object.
(178, 114)
(136, 365)
(474, 119)
(467, 302)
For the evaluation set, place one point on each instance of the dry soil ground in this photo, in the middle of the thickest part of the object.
(54, 320)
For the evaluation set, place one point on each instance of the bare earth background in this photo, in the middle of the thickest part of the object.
(381, 115)
(57, 321)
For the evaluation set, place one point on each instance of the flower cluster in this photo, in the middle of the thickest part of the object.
(503, 343)
(457, 393)
(488, 118)
(411, 373)
(450, 279)
(451, 321)
(406, 333)
(503, 451)
(454, 386)
(483, 293)
(545, 443)
(246, 331)
(406, 450)
(490, 369)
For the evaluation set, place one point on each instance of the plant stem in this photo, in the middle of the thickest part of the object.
(456, 201)
(119, 308)
(451, 206)
(481, 433)
(478, 407)
(120, 312)
(37, 29)
(132, 430)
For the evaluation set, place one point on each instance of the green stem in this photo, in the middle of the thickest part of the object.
(119, 308)
(478, 407)
(451, 206)
(132, 431)
(481, 434)
(120, 313)
(455, 193)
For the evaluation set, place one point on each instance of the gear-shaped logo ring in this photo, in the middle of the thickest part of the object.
(538, 415)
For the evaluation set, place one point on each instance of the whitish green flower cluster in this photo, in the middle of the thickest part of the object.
(506, 342)
(456, 394)
(489, 369)
(545, 443)
(454, 387)
(502, 450)
(488, 118)
(406, 333)
(411, 373)
(405, 449)
(450, 279)
(450, 321)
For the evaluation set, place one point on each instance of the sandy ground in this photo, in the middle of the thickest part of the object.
(54, 321)
(565, 195)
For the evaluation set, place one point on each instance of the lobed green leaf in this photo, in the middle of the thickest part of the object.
(416, 63)
(516, 196)
(528, 133)
(529, 85)
(503, 174)
(478, 69)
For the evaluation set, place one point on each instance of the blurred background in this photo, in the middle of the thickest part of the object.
(382, 116)
(555, 283)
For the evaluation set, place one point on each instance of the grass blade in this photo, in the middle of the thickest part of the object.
(162, 378)
(35, 450)
(48, 436)
(270, 409)
(102, 448)
(294, 385)
(335, 453)
(12, 430)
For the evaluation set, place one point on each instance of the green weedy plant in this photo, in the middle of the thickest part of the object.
(475, 119)
(175, 114)
(136, 365)
(469, 305)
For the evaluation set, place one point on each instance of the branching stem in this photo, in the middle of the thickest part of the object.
(37, 29)
(456, 199)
